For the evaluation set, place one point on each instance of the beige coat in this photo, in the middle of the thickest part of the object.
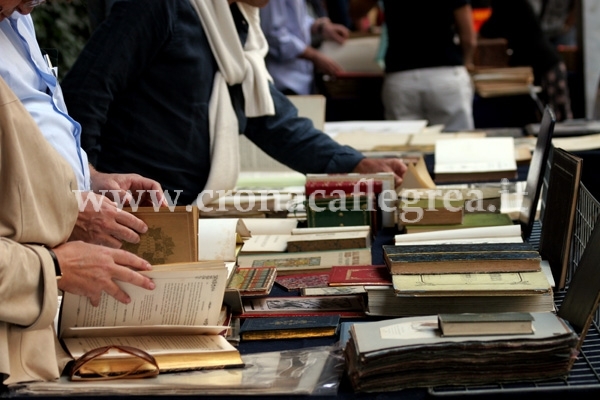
(37, 208)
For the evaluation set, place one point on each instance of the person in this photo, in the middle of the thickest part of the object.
(426, 70)
(38, 211)
(26, 71)
(515, 20)
(558, 19)
(292, 60)
(164, 88)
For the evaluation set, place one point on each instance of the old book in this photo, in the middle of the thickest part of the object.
(485, 234)
(417, 175)
(253, 281)
(221, 238)
(470, 220)
(559, 214)
(371, 275)
(410, 352)
(341, 211)
(289, 306)
(267, 328)
(166, 322)
(305, 280)
(475, 160)
(382, 301)
(434, 211)
(329, 241)
(461, 258)
(472, 324)
(171, 237)
(311, 261)
(508, 81)
(484, 284)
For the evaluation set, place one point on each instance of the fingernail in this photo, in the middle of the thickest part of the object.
(151, 285)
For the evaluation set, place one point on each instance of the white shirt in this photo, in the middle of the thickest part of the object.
(26, 72)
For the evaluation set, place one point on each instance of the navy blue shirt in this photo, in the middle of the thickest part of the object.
(141, 88)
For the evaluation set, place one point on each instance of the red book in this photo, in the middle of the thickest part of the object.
(365, 275)
(327, 188)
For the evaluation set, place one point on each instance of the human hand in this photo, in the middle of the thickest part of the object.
(325, 64)
(373, 165)
(128, 189)
(88, 270)
(101, 221)
(336, 32)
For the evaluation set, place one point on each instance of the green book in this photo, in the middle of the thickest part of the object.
(470, 220)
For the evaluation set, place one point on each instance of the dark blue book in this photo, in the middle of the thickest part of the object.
(289, 327)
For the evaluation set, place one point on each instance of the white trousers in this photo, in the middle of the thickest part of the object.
(441, 95)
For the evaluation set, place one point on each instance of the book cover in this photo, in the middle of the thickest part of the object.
(483, 284)
(473, 324)
(329, 241)
(470, 220)
(461, 258)
(434, 211)
(253, 281)
(305, 280)
(371, 275)
(171, 237)
(559, 213)
(289, 328)
(288, 306)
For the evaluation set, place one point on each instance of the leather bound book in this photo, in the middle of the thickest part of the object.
(290, 327)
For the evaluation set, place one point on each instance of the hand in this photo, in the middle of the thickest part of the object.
(102, 222)
(88, 270)
(321, 62)
(372, 165)
(130, 189)
(336, 32)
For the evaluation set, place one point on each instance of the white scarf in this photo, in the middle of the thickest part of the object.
(236, 65)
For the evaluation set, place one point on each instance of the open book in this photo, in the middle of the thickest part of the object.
(177, 322)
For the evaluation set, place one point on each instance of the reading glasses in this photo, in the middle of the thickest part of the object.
(85, 370)
(29, 4)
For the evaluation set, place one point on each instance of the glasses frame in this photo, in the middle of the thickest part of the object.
(136, 373)
(33, 3)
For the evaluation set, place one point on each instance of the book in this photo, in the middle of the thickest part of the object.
(470, 220)
(267, 328)
(221, 238)
(411, 352)
(483, 284)
(253, 281)
(310, 261)
(382, 301)
(471, 324)
(475, 160)
(330, 241)
(289, 306)
(507, 81)
(430, 211)
(461, 258)
(171, 236)
(176, 322)
(304, 280)
(559, 214)
(340, 211)
(485, 234)
(359, 275)
(416, 176)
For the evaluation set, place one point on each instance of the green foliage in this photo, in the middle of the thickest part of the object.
(62, 28)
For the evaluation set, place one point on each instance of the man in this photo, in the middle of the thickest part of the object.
(24, 68)
(37, 213)
(292, 60)
(164, 88)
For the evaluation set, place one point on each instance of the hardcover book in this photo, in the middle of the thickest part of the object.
(471, 324)
(166, 322)
(304, 280)
(172, 235)
(434, 211)
(370, 275)
(483, 284)
(289, 306)
(559, 213)
(329, 241)
(289, 328)
(253, 281)
(470, 220)
(461, 258)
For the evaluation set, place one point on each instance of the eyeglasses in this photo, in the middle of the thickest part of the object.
(91, 366)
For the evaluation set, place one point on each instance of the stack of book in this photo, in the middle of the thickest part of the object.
(461, 277)
(415, 352)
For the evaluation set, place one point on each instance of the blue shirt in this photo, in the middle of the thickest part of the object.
(26, 72)
(286, 25)
(141, 88)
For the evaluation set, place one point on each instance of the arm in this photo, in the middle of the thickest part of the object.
(360, 8)
(466, 32)
(295, 142)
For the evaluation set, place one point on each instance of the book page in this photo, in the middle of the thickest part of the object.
(180, 298)
(266, 243)
(270, 226)
(155, 345)
(464, 155)
(466, 235)
(218, 237)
